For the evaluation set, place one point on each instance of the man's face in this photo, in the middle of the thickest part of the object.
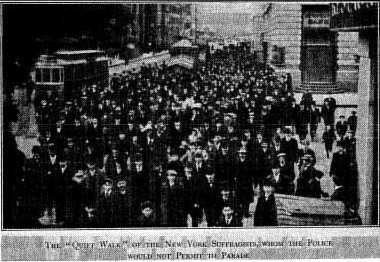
(225, 194)
(227, 212)
(288, 137)
(210, 178)
(122, 190)
(91, 213)
(107, 186)
(307, 162)
(36, 156)
(188, 173)
(79, 175)
(171, 178)
(242, 156)
(147, 212)
(173, 157)
(138, 165)
(177, 125)
(224, 150)
(63, 163)
(268, 190)
(115, 152)
(91, 166)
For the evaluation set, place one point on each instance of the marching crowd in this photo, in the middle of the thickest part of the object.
(162, 147)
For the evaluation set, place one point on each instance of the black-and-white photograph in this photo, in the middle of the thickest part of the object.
(189, 115)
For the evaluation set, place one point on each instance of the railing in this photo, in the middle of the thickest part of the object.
(136, 63)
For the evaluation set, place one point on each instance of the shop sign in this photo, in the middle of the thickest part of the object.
(316, 20)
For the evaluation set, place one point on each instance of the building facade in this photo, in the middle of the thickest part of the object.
(363, 18)
(296, 38)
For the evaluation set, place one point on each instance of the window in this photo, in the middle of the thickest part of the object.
(46, 75)
(55, 73)
(38, 75)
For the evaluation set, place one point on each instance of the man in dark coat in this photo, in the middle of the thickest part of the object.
(51, 170)
(223, 163)
(94, 178)
(75, 198)
(342, 168)
(210, 195)
(352, 122)
(328, 111)
(147, 217)
(282, 177)
(140, 184)
(123, 204)
(192, 196)
(341, 127)
(328, 138)
(228, 217)
(227, 198)
(314, 120)
(266, 209)
(106, 204)
(289, 146)
(173, 201)
(307, 173)
(242, 181)
(305, 150)
(303, 121)
(315, 186)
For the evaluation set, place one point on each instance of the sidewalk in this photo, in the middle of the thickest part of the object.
(342, 99)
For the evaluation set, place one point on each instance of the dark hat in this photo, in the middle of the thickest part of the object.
(307, 157)
(287, 131)
(225, 144)
(242, 150)
(268, 182)
(210, 170)
(340, 143)
(353, 112)
(63, 157)
(36, 150)
(171, 172)
(107, 179)
(90, 159)
(198, 155)
(341, 116)
(146, 204)
(122, 183)
(281, 155)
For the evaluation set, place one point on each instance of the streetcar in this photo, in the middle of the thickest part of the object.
(65, 72)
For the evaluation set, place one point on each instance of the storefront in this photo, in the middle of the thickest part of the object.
(318, 49)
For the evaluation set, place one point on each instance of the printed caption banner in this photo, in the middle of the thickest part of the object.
(207, 246)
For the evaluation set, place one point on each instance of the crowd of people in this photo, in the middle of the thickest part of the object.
(164, 147)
